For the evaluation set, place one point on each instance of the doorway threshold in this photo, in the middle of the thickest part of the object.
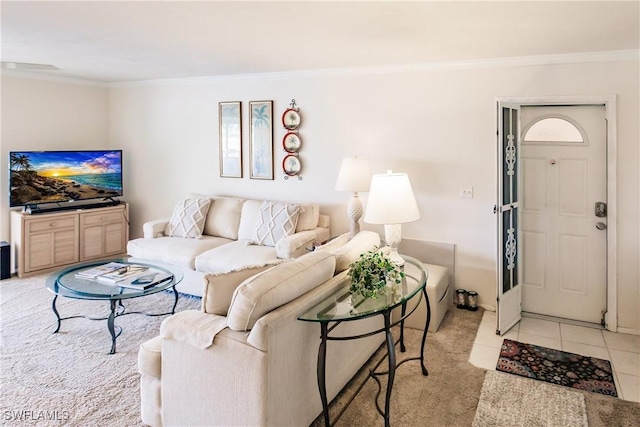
(563, 320)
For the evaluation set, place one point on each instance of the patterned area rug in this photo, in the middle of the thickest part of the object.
(557, 367)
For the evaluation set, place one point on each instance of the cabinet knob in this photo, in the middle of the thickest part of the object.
(53, 224)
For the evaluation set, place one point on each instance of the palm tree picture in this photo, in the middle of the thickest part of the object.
(261, 139)
(20, 162)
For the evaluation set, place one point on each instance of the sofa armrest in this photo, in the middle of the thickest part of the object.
(298, 244)
(193, 327)
(155, 228)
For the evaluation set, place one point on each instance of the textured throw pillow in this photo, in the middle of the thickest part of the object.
(188, 218)
(308, 218)
(275, 221)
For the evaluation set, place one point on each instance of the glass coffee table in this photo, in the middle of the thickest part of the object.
(341, 306)
(65, 284)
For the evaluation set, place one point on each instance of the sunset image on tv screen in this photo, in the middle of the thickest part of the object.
(60, 176)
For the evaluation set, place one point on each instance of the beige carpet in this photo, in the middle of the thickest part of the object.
(71, 377)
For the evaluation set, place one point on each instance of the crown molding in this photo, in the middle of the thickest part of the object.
(521, 61)
(34, 75)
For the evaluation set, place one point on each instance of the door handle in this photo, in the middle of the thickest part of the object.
(601, 225)
(601, 209)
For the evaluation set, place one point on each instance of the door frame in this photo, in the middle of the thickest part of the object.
(609, 103)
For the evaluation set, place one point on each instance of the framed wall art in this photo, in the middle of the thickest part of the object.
(261, 139)
(230, 139)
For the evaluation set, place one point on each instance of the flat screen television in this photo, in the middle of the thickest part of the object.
(40, 177)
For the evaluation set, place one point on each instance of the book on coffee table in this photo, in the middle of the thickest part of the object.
(146, 280)
(99, 270)
(127, 272)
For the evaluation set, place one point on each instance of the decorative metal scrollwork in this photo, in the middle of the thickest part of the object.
(510, 155)
(510, 249)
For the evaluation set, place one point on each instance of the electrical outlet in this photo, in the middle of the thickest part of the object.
(466, 192)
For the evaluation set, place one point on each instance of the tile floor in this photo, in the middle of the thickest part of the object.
(621, 349)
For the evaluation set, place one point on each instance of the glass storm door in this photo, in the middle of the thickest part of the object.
(507, 210)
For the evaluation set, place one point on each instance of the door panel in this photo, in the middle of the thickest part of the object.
(562, 183)
(507, 208)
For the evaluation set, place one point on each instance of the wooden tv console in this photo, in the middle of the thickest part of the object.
(49, 241)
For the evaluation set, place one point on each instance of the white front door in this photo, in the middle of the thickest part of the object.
(563, 215)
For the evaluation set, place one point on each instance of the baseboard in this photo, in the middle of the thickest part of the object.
(629, 331)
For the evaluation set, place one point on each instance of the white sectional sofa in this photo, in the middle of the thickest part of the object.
(244, 359)
(234, 235)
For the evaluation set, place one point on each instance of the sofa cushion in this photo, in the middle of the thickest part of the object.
(275, 221)
(219, 287)
(223, 218)
(277, 286)
(249, 219)
(188, 218)
(362, 242)
(333, 244)
(308, 218)
(234, 255)
(149, 357)
(173, 250)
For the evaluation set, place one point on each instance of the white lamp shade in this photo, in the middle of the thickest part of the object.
(391, 200)
(354, 175)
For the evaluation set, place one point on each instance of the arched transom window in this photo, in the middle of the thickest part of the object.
(553, 130)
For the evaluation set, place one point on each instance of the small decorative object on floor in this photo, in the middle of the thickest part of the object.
(557, 367)
(461, 298)
(371, 273)
(472, 300)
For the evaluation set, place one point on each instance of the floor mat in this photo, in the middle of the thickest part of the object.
(557, 367)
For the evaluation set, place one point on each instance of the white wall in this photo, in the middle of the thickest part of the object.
(48, 115)
(438, 125)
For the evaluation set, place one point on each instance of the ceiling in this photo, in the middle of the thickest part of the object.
(116, 41)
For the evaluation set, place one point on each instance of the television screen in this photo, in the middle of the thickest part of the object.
(38, 177)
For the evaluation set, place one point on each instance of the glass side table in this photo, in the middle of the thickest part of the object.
(341, 306)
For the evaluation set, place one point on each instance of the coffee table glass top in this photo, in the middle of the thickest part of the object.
(65, 282)
(341, 305)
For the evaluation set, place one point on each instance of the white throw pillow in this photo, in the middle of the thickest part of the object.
(275, 221)
(223, 218)
(188, 218)
(308, 218)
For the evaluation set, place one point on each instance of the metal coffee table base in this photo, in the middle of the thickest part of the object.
(117, 309)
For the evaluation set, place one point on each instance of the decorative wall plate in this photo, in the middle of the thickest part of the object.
(291, 119)
(291, 142)
(291, 165)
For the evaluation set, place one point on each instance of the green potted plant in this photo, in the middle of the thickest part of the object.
(371, 272)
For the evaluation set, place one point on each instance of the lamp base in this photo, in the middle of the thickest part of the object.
(393, 236)
(354, 211)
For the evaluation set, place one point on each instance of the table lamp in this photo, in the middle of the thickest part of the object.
(354, 176)
(391, 202)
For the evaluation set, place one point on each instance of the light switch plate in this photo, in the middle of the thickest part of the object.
(466, 192)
